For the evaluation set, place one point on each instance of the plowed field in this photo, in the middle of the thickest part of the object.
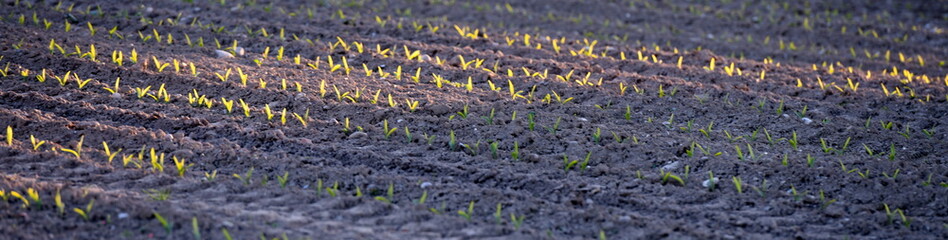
(433, 119)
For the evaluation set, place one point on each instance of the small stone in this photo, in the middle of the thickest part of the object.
(709, 182)
(671, 166)
(425, 185)
(425, 58)
(122, 215)
(223, 54)
(358, 135)
(533, 157)
(625, 219)
(240, 51)
(807, 120)
(583, 119)
(183, 154)
(116, 95)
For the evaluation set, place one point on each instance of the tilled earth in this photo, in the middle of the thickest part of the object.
(676, 119)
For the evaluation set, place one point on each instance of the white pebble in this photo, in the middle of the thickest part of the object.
(709, 182)
(807, 120)
(223, 54)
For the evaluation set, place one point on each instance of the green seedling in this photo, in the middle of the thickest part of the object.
(868, 150)
(619, 139)
(283, 180)
(57, 200)
(730, 137)
(494, 145)
(469, 213)
(891, 155)
(707, 131)
(75, 151)
(555, 127)
(452, 142)
(886, 125)
(180, 166)
(927, 182)
(894, 174)
(825, 202)
(86, 213)
(669, 176)
(108, 152)
(802, 113)
(498, 214)
(583, 165)
(762, 190)
(334, 190)
(929, 132)
(168, 226)
(597, 136)
(195, 229)
(517, 221)
(567, 164)
(712, 183)
(740, 154)
(246, 178)
(793, 141)
(158, 195)
(810, 161)
(386, 130)
(515, 154)
(531, 120)
(463, 113)
(737, 184)
(408, 135)
(423, 198)
(429, 139)
(210, 176)
(489, 118)
(10, 137)
(473, 149)
(796, 195)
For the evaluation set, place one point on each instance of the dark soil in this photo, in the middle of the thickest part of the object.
(816, 157)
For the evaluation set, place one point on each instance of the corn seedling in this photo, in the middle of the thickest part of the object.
(556, 125)
(180, 165)
(531, 122)
(77, 151)
(10, 137)
(891, 155)
(246, 178)
(793, 140)
(158, 195)
(168, 226)
(517, 221)
(824, 201)
(283, 179)
(452, 142)
(762, 190)
(737, 184)
(245, 107)
(108, 152)
(36, 143)
(210, 176)
(469, 213)
(666, 176)
(389, 131)
(515, 154)
(473, 149)
(894, 174)
(489, 118)
(86, 213)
